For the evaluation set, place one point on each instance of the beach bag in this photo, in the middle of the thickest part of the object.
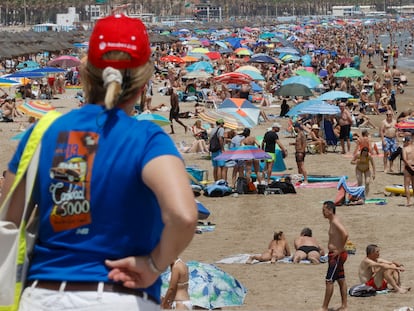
(285, 187)
(214, 142)
(17, 242)
(241, 185)
(362, 290)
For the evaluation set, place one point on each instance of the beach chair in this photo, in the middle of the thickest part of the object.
(208, 100)
(331, 140)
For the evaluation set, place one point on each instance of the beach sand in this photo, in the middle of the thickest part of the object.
(245, 224)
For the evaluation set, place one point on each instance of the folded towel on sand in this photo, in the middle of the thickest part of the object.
(242, 258)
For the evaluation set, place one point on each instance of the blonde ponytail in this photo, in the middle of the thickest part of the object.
(112, 81)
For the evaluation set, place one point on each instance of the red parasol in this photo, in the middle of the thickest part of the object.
(234, 77)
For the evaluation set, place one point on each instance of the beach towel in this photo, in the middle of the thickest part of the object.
(354, 193)
(377, 201)
(242, 259)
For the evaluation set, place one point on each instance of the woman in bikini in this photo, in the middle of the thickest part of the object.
(278, 248)
(177, 297)
(362, 168)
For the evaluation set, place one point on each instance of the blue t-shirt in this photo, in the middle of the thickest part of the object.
(93, 202)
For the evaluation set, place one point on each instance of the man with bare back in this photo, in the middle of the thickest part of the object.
(378, 273)
(337, 255)
(307, 247)
(252, 141)
(408, 159)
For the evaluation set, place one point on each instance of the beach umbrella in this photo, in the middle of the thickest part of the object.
(296, 110)
(172, 59)
(243, 51)
(213, 55)
(407, 124)
(243, 153)
(287, 50)
(234, 77)
(28, 64)
(48, 70)
(25, 74)
(320, 108)
(230, 121)
(189, 59)
(200, 50)
(7, 82)
(209, 286)
(35, 108)
(254, 75)
(333, 95)
(307, 81)
(294, 89)
(198, 74)
(255, 87)
(153, 117)
(263, 58)
(64, 61)
(248, 68)
(306, 73)
(349, 72)
(242, 109)
(202, 65)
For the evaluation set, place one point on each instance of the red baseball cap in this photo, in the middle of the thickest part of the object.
(119, 33)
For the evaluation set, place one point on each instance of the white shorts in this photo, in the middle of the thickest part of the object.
(39, 299)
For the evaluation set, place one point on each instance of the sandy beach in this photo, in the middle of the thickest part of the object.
(245, 224)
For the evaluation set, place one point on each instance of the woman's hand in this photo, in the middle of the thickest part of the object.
(132, 272)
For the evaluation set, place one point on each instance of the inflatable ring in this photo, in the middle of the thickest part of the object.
(397, 189)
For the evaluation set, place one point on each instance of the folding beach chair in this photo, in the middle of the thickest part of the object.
(331, 140)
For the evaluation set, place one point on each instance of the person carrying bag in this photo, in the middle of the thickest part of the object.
(17, 237)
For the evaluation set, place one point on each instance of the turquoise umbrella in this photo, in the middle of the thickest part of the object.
(333, 95)
(209, 286)
(307, 81)
(349, 72)
(156, 118)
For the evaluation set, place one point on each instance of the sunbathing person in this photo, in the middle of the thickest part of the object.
(278, 248)
(307, 247)
(378, 273)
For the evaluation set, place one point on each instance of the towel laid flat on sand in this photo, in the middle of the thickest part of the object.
(242, 258)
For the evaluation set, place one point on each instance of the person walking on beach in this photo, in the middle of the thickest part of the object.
(388, 134)
(337, 256)
(345, 121)
(217, 148)
(175, 110)
(99, 248)
(378, 272)
(363, 162)
(269, 142)
(408, 159)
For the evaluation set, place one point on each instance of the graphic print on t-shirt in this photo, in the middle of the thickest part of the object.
(71, 175)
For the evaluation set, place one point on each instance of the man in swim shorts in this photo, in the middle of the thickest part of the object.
(338, 236)
(408, 159)
(378, 273)
(300, 150)
(345, 121)
(388, 134)
(307, 247)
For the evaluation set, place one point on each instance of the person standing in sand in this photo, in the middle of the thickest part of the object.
(278, 248)
(345, 121)
(175, 110)
(389, 140)
(300, 150)
(408, 159)
(378, 273)
(337, 256)
(363, 162)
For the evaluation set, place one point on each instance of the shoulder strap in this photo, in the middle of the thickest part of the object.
(30, 148)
